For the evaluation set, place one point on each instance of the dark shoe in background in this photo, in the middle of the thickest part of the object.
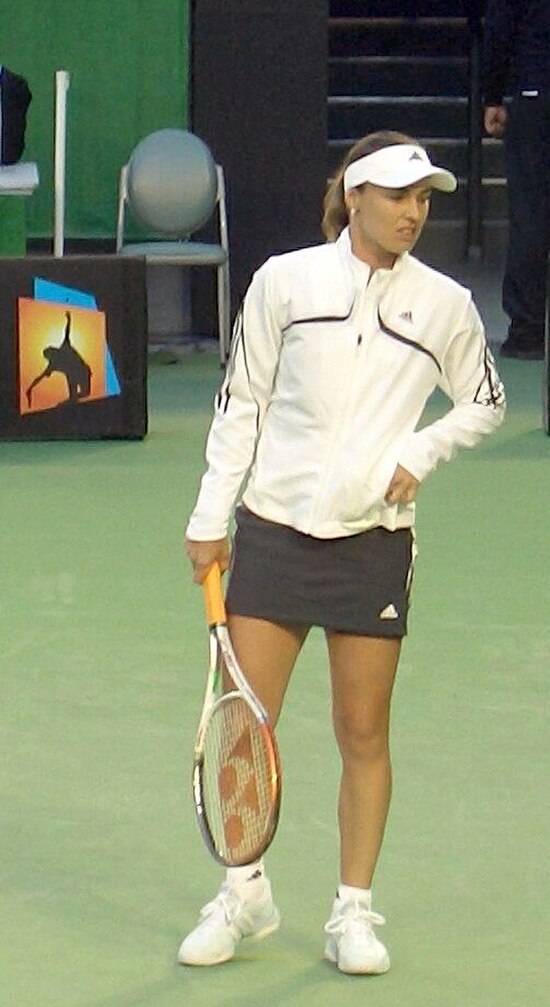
(523, 347)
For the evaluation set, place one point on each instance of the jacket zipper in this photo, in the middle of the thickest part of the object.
(339, 421)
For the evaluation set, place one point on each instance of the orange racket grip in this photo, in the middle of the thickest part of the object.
(213, 596)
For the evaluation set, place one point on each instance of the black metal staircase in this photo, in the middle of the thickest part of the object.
(408, 66)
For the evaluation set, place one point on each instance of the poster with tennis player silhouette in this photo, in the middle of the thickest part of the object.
(73, 347)
(63, 356)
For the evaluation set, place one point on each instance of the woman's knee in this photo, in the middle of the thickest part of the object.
(360, 736)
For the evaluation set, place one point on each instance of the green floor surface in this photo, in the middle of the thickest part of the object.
(102, 666)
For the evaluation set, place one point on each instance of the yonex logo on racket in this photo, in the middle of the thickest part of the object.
(238, 791)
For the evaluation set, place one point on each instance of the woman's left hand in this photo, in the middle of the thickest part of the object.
(403, 487)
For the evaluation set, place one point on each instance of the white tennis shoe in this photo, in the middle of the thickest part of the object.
(352, 944)
(238, 911)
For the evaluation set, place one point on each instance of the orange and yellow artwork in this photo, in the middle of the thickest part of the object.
(62, 355)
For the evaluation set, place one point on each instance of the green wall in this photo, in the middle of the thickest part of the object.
(128, 63)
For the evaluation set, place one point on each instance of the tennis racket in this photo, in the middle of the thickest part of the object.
(236, 766)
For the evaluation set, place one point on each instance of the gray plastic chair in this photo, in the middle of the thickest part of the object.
(173, 186)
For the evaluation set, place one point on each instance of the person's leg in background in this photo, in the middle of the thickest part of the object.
(523, 290)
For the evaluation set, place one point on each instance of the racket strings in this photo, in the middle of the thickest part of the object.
(239, 781)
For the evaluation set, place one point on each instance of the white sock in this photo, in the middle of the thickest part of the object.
(347, 893)
(239, 876)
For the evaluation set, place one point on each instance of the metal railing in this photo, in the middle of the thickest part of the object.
(474, 221)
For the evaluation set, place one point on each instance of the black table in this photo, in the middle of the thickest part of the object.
(73, 348)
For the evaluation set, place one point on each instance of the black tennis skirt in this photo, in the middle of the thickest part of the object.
(358, 584)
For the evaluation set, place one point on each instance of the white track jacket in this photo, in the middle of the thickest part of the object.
(329, 374)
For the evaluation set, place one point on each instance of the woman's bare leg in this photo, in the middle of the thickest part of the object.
(266, 652)
(362, 673)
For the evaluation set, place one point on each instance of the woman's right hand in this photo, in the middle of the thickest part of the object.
(203, 554)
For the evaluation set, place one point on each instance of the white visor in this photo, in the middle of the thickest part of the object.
(397, 167)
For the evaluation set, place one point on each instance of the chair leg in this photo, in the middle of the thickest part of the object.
(223, 311)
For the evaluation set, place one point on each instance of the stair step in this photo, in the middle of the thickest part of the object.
(380, 75)
(353, 115)
(451, 153)
(455, 207)
(443, 242)
(398, 36)
(419, 48)
(400, 8)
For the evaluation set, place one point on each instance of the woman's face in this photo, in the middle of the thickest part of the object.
(386, 222)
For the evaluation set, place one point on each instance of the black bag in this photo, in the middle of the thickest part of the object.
(15, 98)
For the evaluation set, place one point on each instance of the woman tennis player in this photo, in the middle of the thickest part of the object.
(335, 352)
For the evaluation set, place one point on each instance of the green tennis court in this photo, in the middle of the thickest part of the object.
(102, 670)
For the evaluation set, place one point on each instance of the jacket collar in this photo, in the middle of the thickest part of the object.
(361, 271)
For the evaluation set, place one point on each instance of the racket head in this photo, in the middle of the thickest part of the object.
(237, 782)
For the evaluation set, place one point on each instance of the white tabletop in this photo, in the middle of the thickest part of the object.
(18, 179)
